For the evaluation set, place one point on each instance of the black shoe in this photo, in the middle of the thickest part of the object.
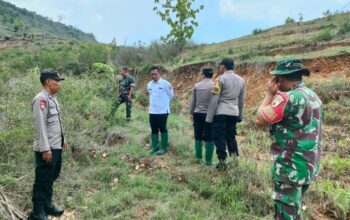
(53, 210)
(39, 216)
(233, 154)
(221, 165)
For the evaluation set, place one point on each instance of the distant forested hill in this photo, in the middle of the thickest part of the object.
(21, 23)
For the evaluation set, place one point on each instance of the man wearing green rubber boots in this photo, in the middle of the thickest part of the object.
(294, 113)
(201, 95)
(160, 94)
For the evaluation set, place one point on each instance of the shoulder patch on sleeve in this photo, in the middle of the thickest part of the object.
(274, 112)
(42, 104)
(217, 87)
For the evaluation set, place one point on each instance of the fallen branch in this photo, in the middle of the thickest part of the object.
(7, 209)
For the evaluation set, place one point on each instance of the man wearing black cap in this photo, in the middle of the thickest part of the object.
(201, 94)
(226, 110)
(48, 145)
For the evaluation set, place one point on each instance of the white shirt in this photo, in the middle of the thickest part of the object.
(160, 92)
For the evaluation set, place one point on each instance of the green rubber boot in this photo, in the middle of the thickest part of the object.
(155, 146)
(165, 144)
(198, 150)
(209, 150)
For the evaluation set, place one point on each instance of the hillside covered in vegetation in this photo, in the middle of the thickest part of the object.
(20, 23)
(108, 174)
(327, 36)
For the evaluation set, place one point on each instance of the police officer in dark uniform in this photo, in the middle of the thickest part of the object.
(126, 88)
(48, 145)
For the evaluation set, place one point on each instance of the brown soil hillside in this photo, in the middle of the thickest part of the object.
(257, 75)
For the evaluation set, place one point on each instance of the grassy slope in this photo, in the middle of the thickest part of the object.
(117, 179)
(35, 26)
(302, 40)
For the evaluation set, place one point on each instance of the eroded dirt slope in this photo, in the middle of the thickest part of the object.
(257, 75)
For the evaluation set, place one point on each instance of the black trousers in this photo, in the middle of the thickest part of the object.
(45, 175)
(158, 123)
(202, 129)
(224, 134)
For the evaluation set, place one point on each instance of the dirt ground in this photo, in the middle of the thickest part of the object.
(257, 75)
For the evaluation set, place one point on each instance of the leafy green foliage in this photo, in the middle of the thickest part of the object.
(289, 20)
(101, 68)
(137, 56)
(257, 31)
(66, 57)
(181, 18)
(344, 27)
(17, 22)
(324, 35)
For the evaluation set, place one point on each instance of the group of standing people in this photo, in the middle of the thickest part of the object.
(215, 108)
(291, 110)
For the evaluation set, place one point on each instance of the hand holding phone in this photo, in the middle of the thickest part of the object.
(273, 86)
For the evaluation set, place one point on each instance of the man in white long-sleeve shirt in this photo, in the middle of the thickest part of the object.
(160, 94)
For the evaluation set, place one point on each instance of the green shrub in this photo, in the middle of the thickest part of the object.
(230, 51)
(331, 89)
(289, 20)
(141, 98)
(324, 35)
(344, 27)
(100, 68)
(175, 105)
(257, 31)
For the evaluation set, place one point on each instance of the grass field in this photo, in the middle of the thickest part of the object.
(108, 173)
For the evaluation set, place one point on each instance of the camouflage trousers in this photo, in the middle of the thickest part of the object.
(288, 200)
(123, 98)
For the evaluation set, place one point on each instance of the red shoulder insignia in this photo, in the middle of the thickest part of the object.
(42, 104)
(274, 112)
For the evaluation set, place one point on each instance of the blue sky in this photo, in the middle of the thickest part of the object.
(130, 21)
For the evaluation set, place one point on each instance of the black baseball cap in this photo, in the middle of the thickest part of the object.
(50, 75)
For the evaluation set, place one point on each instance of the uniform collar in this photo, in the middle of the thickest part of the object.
(228, 72)
(157, 81)
(47, 93)
(297, 85)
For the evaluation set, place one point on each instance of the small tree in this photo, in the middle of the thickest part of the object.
(181, 17)
(19, 26)
(60, 18)
(324, 35)
(257, 31)
(327, 14)
(301, 18)
(289, 20)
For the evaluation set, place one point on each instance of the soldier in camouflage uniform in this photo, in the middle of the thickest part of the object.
(126, 88)
(294, 114)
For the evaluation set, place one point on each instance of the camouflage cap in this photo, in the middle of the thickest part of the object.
(288, 66)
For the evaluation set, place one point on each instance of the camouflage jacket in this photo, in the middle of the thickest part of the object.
(125, 83)
(295, 117)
